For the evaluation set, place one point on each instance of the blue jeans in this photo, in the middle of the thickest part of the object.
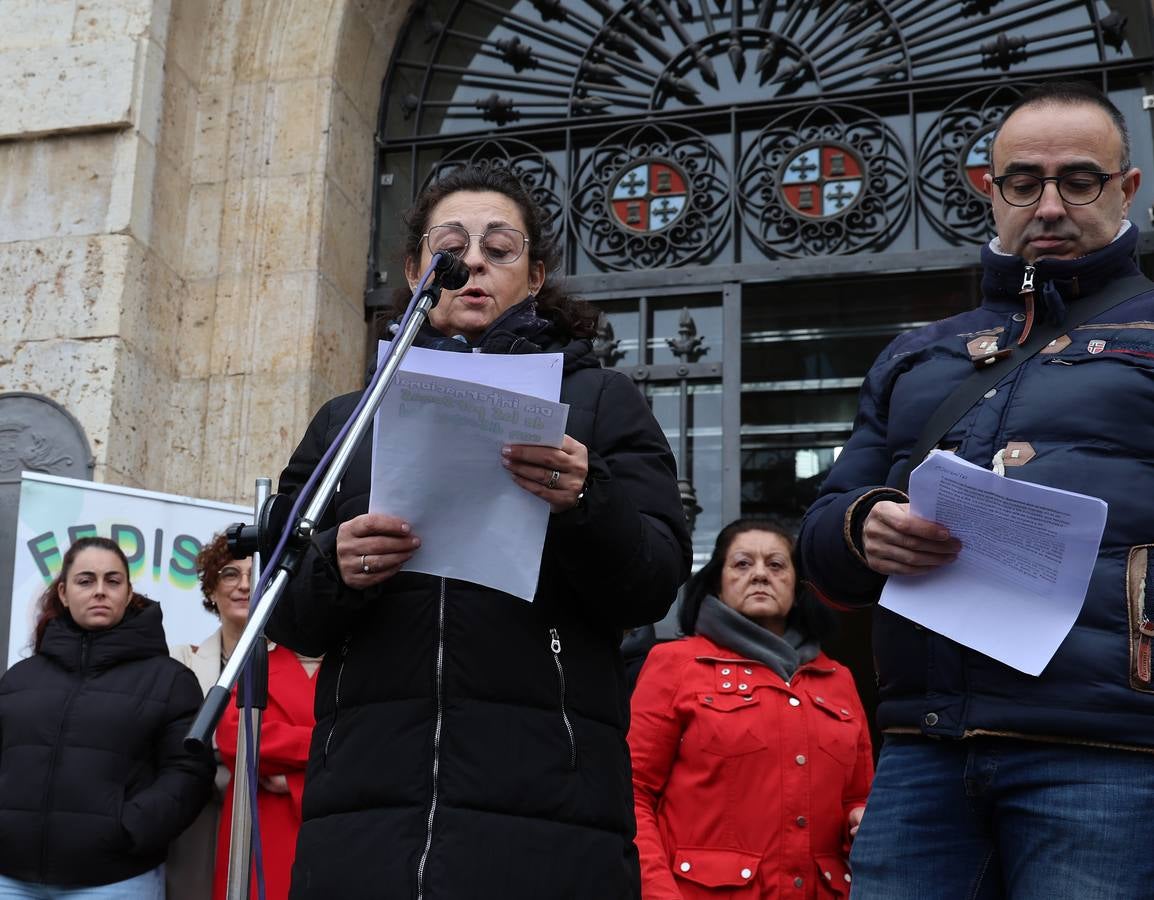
(990, 817)
(149, 886)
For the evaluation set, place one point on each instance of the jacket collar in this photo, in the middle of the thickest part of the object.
(139, 635)
(1059, 281)
(519, 329)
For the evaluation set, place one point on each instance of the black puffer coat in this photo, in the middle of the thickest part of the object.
(470, 744)
(94, 778)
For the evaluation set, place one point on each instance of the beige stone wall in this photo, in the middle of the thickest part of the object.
(187, 189)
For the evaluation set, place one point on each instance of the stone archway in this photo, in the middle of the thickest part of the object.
(262, 201)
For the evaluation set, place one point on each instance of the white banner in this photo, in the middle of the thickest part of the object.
(159, 533)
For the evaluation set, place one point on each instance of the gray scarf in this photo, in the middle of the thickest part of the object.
(726, 626)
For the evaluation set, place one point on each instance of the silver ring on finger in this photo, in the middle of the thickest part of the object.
(364, 565)
(554, 477)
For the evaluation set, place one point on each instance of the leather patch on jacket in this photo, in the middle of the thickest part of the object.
(1141, 628)
(1017, 453)
(1057, 345)
(983, 345)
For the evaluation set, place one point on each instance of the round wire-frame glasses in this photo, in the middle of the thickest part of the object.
(501, 245)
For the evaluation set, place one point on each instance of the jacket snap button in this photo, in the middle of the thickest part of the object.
(708, 699)
(845, 712)
(747, 697)
(991, 393)
(828, 876)
(684, 867)
(793, 701)
(743, 687)
(1019, 317)
(931, 719)
(726, 685)
(800, 759)
(801, 821)
(818, 700)
(725, 671)
(847, 877)
(746, 873)
(797, 882)
(748, 671)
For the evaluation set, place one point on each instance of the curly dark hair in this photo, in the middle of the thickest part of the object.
(49, 605)
(212, 557)
(576, 317)
(809, 615)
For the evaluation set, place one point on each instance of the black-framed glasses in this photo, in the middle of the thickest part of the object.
(1075, 188)
(502, 245)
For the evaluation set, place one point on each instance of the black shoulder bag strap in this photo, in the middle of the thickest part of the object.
(966, 394)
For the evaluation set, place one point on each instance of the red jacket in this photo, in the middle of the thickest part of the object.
(285, 731)
(742, 781)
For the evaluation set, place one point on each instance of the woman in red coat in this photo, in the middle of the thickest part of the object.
(751, 752)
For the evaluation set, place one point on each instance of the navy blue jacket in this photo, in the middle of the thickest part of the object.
(1085, 408)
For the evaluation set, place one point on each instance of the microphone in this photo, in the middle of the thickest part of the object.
(453, 271)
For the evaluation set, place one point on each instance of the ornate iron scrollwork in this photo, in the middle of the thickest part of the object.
(824, 180)
(953, 157)
(627, 216)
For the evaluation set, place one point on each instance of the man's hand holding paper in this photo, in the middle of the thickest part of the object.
(1023, 568)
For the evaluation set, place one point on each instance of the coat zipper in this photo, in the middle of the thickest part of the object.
(337, 704)
(440, 672)
(50, 781)
(555, 646)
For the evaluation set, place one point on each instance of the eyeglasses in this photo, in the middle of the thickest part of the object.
(1075, 188)
(229, 576)
(498, 245)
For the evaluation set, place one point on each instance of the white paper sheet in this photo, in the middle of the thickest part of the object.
(1021, 577)
(437, 442)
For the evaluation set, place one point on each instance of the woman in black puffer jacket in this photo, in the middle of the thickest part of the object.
(470, 745)
(94, 778)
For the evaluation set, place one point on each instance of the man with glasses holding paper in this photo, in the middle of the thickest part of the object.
(995, 783)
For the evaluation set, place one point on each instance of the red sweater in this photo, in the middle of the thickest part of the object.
(744, 781)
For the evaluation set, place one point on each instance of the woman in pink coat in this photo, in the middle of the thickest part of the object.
(751, 751)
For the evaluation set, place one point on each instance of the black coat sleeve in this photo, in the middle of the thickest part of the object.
(155, 815)
(317, 608)
(626, 548)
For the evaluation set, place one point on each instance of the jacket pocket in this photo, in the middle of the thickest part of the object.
(833, 876)
(839, 733)
(712, 867)
(1128, 343)
(729, 723)
(1138, 583)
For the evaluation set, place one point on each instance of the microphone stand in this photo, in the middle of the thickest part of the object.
(251, 700)
(283, 562)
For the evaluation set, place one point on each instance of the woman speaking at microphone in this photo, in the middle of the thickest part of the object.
(470, 744)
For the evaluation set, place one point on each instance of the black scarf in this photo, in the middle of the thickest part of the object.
(726, 626)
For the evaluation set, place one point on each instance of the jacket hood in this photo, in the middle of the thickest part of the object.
(139, 635)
